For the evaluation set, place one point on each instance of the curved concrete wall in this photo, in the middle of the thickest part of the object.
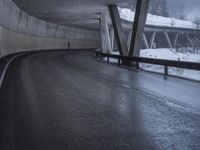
(20, 32)
(13, 18)
(11, 42)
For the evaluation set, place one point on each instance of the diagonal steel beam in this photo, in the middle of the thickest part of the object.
(152, 39)
(145, 41)
(168, 39)
(189, 39)
(175, 40)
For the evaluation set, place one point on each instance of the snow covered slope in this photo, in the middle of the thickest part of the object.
(171, 54)
(128, 15)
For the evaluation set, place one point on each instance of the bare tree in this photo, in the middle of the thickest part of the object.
(159, 7)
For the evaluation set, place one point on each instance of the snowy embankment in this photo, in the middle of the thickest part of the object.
(154, 20)
(170, 54)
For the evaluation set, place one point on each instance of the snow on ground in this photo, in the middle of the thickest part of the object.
(164, 53)
(128, 15)
(170, 54)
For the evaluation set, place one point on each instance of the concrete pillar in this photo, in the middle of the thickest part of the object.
(152, 41)
(1, 42)
(145, 41)
(175, 40)
(105, 39)
(112, 37)
(118, 30)
(168, 39)
(129, 38)
(138, 27)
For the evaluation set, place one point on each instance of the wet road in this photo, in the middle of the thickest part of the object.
(71, 101)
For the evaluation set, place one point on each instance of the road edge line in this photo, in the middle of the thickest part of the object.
(2, 76)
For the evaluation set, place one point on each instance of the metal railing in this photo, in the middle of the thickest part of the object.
(162, 62)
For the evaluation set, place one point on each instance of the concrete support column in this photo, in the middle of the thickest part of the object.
(138, 27)
(105, 39)
(0, 42)
(118, 30)
(129, 38)
(145, 41)
(152, 39)
(175, 40)
(112, 37)
(168, 39)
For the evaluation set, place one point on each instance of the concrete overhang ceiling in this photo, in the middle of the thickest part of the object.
(74, 13)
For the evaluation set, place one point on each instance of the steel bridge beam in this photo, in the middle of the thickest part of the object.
(189, 39)
(150, 28)
(152, 41)
(145, 41)
(168, 39)
(175, 40)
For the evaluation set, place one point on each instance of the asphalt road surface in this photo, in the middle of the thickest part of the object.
(71, 101)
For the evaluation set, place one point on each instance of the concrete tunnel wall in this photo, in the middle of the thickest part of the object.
(20, 32)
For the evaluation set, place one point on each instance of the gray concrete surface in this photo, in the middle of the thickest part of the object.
(105, 36)
(69, 100)
(78, 13)
(12, 42)
(13, 18)
(118, 29)
(75, 13)
(141, 12)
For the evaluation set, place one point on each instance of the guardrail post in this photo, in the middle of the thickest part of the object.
(137, 65)
(101, 57)
(118, 61)
(166, 71)
(108, 59)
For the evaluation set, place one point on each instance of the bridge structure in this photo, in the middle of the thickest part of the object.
(170, 33)
(55, 94)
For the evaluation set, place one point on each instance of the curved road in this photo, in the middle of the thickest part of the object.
(70, 101)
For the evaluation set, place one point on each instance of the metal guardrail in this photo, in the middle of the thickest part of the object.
(162, 62)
